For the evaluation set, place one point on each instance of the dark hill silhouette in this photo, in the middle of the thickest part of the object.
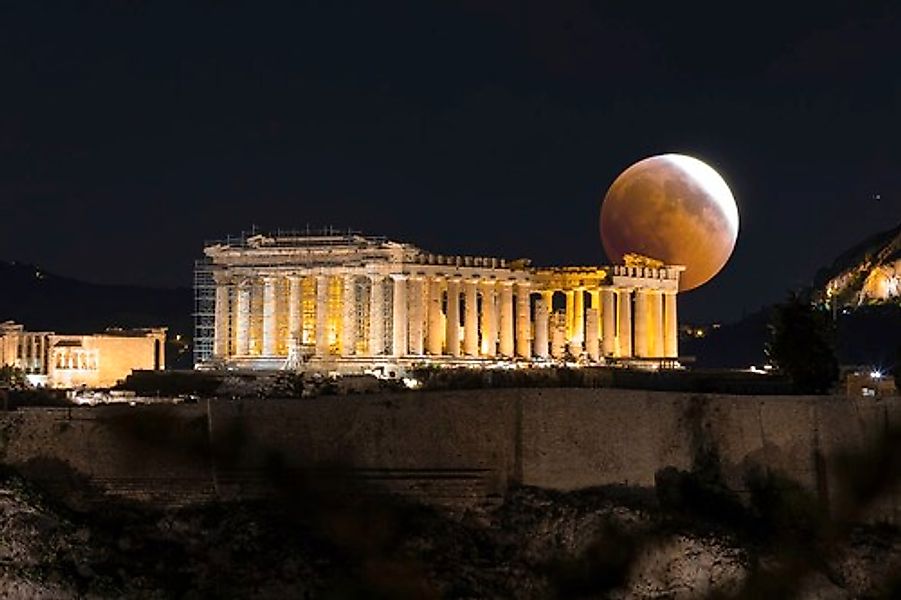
(733, 345)
(868, 335)
(43, 301)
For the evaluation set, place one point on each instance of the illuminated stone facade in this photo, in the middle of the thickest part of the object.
(350, 302)
(26, 350)
(70, 361)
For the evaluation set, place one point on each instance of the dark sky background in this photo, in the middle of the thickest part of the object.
(130, 132)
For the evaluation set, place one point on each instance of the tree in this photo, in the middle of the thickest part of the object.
(802, 345)
(11, 377)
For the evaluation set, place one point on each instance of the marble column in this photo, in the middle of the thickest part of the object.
(655, 312)
(608, 323)
(671, 325)
(471, 318)
(242, 319)
(595, 295)
(577, 335)
(322, 346)
(624, 308)
(220, 328)
(558, 335)
(416, 318)
(452, 336)
(579, 316)
(569, 314)
(376, 315)
(548, 296)
(270, 327)
(295, 315)
(592, 346)
(541, 327)
(642, 304)
(349, 315)
(506, 321)
(399, 316)
(523, 321)
(489, 318)
(436, 325)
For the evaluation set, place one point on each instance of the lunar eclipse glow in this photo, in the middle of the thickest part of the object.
(673, 208)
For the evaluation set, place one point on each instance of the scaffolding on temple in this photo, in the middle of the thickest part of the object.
(204, 311)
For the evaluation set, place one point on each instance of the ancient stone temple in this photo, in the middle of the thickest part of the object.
(97, 360)
(348, 302)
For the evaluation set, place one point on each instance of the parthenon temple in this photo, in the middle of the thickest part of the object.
(347, 302)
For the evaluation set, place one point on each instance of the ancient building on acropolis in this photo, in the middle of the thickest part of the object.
(348, 302)
(98, 360)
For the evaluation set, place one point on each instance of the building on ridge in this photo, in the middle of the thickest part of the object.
(348, 302)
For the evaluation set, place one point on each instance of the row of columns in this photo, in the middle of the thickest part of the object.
(497, 319)
(75, 358)
(488, 330)
(33, 348)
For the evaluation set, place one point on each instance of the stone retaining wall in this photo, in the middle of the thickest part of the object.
(458, 448)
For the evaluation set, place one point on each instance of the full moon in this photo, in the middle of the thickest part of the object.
(672, 208)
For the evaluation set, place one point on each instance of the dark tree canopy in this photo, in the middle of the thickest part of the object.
(802, 345)
(11, 377)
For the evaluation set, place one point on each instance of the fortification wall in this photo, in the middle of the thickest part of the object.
(152, 453)
(578, 438)
(447, 447)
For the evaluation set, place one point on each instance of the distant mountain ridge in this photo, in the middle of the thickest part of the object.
(43, 301)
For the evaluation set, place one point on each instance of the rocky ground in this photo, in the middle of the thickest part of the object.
(316, 543)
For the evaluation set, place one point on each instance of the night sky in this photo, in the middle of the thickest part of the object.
(130, 132)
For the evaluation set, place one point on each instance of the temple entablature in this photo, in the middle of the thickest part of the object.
(664, 278)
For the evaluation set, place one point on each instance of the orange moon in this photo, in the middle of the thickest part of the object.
(673, 208)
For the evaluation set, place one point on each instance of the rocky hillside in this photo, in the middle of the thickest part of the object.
(317, 543)
(868, 273)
